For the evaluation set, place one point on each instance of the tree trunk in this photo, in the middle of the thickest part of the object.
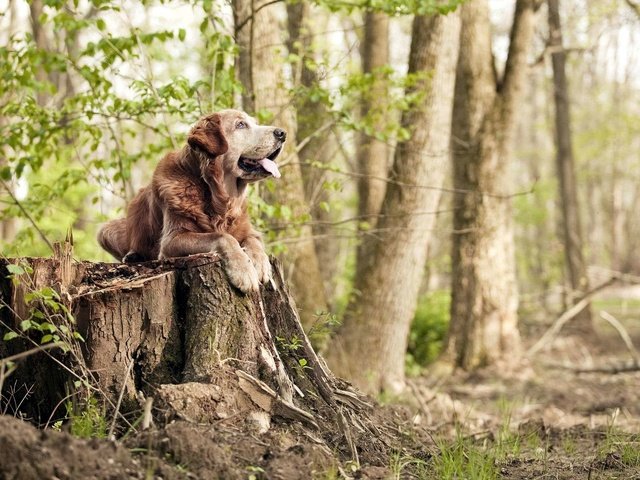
(314, 131)
(373, 154)
(370, 347)
(484, 300)
(177, 331)
(565, 165)
(261, 62)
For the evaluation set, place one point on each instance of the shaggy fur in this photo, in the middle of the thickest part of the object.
(196, 202)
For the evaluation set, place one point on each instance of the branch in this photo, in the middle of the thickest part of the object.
(551, 333)
(631, 366)
(519, 43)
(634, 6)
(626, 338)
(250, 17)
(26, 214)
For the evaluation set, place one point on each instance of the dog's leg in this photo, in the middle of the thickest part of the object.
(237, 263)
(255, 250)
(113, 238)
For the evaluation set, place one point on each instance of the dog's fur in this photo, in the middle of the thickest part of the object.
(196, 202)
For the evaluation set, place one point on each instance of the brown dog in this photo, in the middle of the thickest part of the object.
(196, 202)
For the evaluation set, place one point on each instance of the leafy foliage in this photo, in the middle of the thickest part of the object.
(395, 7)
(428, 330)
(88, 117)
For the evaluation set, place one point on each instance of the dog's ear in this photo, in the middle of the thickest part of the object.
(207, 135)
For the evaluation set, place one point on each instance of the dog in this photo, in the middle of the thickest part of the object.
(197, 200)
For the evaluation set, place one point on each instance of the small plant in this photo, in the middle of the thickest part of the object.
(254, 472)
(626, 447)
(569, 445)
(403, 465)
(48, 326)
(47, 314)
(462, 459)
(88, 420)
(324, 325)
(291, 345)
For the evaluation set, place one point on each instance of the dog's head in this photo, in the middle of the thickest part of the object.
(248, 151)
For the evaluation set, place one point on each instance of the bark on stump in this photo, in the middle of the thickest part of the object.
(177, 331)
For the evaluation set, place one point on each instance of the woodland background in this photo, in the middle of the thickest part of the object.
(487, 148)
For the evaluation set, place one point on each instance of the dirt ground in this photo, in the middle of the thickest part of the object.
(567, 412)
(537, 418)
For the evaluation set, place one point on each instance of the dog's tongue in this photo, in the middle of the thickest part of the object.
(270, 166)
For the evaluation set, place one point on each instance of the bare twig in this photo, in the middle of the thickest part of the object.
(26, 214)
(146, 415)
(630, 366)
(119, 402)
(250, 17)
(26, 353)
(551, 333)
(626, 338)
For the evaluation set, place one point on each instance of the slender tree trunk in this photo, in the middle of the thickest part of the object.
(41, 41)
(314, 122)
(370, 347)
(565, 165)
(373, 154)
(261, 62)
(484, 301)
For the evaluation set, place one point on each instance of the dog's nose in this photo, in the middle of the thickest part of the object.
(280, 134)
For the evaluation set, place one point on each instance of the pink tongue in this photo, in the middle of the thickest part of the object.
(270, 166)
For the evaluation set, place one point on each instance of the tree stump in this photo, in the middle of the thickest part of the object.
(178, 333)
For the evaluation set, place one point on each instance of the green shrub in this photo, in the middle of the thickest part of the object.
(428, 329)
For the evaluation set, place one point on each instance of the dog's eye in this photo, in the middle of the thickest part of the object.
(241, 124)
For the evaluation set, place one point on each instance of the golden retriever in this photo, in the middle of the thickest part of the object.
(196, 202)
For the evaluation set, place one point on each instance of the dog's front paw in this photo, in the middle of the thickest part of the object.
(261, 263)
(133, 257)
(241, 273)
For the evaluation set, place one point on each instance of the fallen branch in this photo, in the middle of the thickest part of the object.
(568, 315)
(626, 367)
(626, 338)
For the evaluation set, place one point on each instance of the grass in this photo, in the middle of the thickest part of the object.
(462, 458)
(625, 445)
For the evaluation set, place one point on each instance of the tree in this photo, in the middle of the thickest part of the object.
(373, 153)
(318, 145)
(484, 300)
(565, 167)
(370, 346)
(260, 65)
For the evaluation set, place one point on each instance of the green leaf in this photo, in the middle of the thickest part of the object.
(15, 269)
(9, 336)
(46, 338)
(182, 33)
(102, 26)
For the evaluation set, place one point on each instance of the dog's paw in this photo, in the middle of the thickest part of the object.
(261, 263)
(241, 273)
(133, 257)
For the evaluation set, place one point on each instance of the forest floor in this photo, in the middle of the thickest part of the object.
(538, 418)
(566, 413)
